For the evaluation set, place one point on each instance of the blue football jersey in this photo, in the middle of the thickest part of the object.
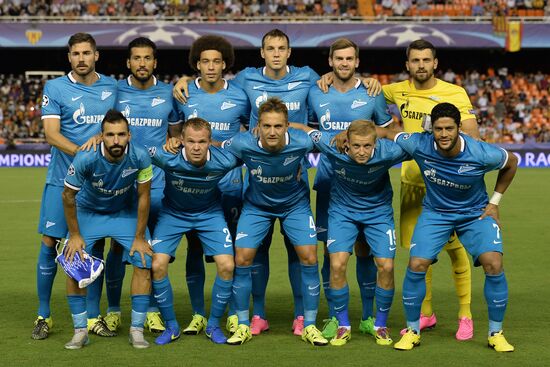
(104, 186)
(80, 109)
(149, 112)
(273, 178)
(226, 111)
(292, 89)
(453, 184)
(334, 111)
(359, 186)
(189, 188)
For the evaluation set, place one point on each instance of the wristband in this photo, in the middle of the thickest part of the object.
(495, 199)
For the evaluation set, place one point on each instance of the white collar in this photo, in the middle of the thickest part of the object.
(287, 69)
(198, 85)
(73, 80)
(129, 80)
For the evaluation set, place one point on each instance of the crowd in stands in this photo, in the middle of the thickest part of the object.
(511, 107)
(285, 8)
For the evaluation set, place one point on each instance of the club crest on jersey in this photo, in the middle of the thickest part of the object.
(105, 94)
(152, 151)
(227, 105)
(128, 171)
(70, 171)
(261, 99)
(157, 101)
(289, 160)
(126, 111)
(293, 85)
(357, 103)
(465, 168)
(316, 136)
(45, 100)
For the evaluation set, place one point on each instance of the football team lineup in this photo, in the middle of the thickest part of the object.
(113, 174)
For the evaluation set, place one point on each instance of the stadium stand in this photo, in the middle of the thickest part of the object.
(511, 107)
(230, 9)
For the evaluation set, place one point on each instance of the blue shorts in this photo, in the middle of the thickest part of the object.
(377, 225)
(433, 230)
(120, 226)
(297, 222)
(209, 226)
(232, 204)
(52, 215)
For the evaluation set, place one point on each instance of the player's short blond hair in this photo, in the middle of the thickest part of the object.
(362, 128)
(273, 104)
(197, 123)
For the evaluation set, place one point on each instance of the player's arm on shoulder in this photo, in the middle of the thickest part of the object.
(93, 142)
(76, 242)
(299, 126)
(52, 129)
(174, 130)
(372, 85)
(181, 88)
(505, 176)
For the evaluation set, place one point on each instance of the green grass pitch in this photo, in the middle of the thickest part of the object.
(525, 216)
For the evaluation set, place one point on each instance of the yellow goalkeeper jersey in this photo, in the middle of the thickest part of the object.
(413, 104)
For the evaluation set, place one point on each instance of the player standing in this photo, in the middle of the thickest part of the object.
(225, 106)
(73, 106)
(453, 167)
(110, 205)
(345, 101)
(415, 99)
(275, 191)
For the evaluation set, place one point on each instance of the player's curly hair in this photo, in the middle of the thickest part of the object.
(273, 104)
(142, 42)
(362, 128)
(81, 38)
(445, 110)
(420, 45)
(197, 123)
(211, 42)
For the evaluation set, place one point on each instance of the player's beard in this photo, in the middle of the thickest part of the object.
(427, 75)
(451, 146)
(116, 151)
(144, 78)
(344, 77)
(89, 69)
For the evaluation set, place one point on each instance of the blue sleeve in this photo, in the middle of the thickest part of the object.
(494, 157)
(408, 141)
(399, 155)
(76, 174)
(313, 76)
(321, 141)
(240, 78)
(234, 145)
(174, 116)
(156, 155)
(381, 115)
(144, 158)
(311, 115)
(50, 101)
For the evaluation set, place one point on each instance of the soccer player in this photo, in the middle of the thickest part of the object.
(225, 106)
(73, 106)
(192, 203)
(360, 202)
(415, 99)
(148, 105)
(275, 191)
(110, 204)
(291, 84)
(453, 167)
(345, 101)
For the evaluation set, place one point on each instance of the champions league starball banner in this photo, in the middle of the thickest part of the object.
(534, 156)
(249, 34)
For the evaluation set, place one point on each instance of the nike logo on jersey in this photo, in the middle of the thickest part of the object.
(339, 307)
(212, 176)
(76, 98)
(435, 98)
(324, 104)
(293, 85)
(497, 242)
(128, 171)
(227, 105)
(412, 245)
(227, 245)
(124, 101)
(375, 168)
(157, 101)
(289, 160)
(357, 104)
(313, 235)
(392, 248)
(464, 169)
(98, 174)
(330, 242)
(258, 87)
(406, 298)
(50, 224)
(192, 105)
(105, 94)
(500, 300)
(384, 309)
(314, 287)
